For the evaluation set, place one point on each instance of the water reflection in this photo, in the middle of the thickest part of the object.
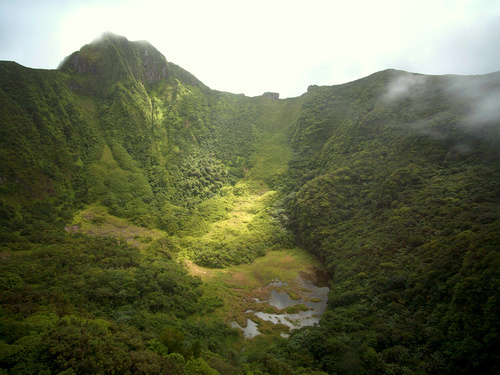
(281, 300)
(313, 299)
(249, 331)
(278, 283)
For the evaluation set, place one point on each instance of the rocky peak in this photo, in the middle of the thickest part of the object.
(271, 95)
(114, 57)
(111, 58)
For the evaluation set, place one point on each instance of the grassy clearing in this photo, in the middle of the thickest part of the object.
(238, 218)
(239, 286)
(270, 157)
(242, 216)
(96, 221)
(233, 228)
(271, 149)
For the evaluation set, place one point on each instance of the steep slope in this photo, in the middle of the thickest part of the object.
(134, 133)
(114, 125)
(117, 131)
(48, 134)
(395, 181)
(112, 58)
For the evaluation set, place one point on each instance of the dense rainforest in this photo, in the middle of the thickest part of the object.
(125, 181)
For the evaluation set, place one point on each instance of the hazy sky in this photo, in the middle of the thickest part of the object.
(272, 45)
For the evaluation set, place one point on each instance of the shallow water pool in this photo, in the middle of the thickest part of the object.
(313, 297)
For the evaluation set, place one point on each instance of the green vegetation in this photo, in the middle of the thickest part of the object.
(92, 305)
(238, 228)
(400, 214)
(141, 212)
(238, 286)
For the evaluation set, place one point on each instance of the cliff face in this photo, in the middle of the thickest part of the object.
(271, 95)
(78, 64)
(154, 65)
(112, 58)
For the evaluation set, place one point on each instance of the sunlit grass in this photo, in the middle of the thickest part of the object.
(232, 228)
(239, 286)
(239, 216)
(96, 221)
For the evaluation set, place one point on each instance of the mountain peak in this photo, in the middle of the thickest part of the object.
(108, 35)
(111, 58)
(114, 56)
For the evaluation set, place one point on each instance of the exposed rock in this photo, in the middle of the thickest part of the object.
(271, 95)
(312, 87)
(77, 63)
(154, 64)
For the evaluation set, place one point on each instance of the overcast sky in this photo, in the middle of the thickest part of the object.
(272, 45)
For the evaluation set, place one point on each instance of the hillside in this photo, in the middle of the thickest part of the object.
(396, 187)
(120, 169)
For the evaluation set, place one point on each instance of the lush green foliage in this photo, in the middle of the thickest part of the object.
(90, 304)
(391, 180)
(401, 201)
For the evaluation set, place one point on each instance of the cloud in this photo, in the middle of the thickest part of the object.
(453, 110)
(404, 85)
(480, 97)
(486, 110)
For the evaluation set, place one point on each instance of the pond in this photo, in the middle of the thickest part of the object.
(295, 305)
(249, 331)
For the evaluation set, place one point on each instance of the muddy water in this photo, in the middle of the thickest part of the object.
(309, 293)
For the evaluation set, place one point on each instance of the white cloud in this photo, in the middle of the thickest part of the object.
(404, 85)
(481, 98)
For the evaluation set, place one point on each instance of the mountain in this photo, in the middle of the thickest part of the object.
(391, 181)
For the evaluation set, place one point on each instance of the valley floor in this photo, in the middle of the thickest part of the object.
(244, 289)
(248, 291)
